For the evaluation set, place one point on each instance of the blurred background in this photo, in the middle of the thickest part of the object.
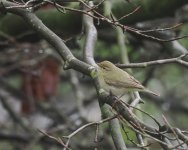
(37, 93)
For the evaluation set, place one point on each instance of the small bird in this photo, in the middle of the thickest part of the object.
(117, 81)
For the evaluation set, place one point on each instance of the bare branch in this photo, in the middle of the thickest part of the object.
(56, 139)
(178, 60)
(51, 37)
(137, 125)
(91, 37)
(59, 140)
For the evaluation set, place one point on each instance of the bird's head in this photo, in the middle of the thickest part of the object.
(106, 66)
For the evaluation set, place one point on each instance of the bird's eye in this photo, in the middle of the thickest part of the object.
(105, 68)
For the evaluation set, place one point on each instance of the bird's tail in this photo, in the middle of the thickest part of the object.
(151, 92)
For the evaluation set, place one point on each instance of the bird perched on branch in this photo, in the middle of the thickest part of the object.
(117, 81)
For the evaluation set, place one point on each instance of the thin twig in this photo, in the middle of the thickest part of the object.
(89, 124)
(54, 138)
(124, 27)
(177, 60)
(127, 15)
(168, 124)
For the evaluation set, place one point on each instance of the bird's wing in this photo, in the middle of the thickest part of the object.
(125, 81)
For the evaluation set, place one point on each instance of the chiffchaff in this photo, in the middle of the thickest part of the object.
(117, 81)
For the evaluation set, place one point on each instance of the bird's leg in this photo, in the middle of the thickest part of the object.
(110, 93)
(114, 96)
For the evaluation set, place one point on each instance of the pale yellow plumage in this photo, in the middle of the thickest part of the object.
(118, 81)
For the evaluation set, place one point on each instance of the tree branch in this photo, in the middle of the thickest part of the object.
(177, 60)
(51, 37)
